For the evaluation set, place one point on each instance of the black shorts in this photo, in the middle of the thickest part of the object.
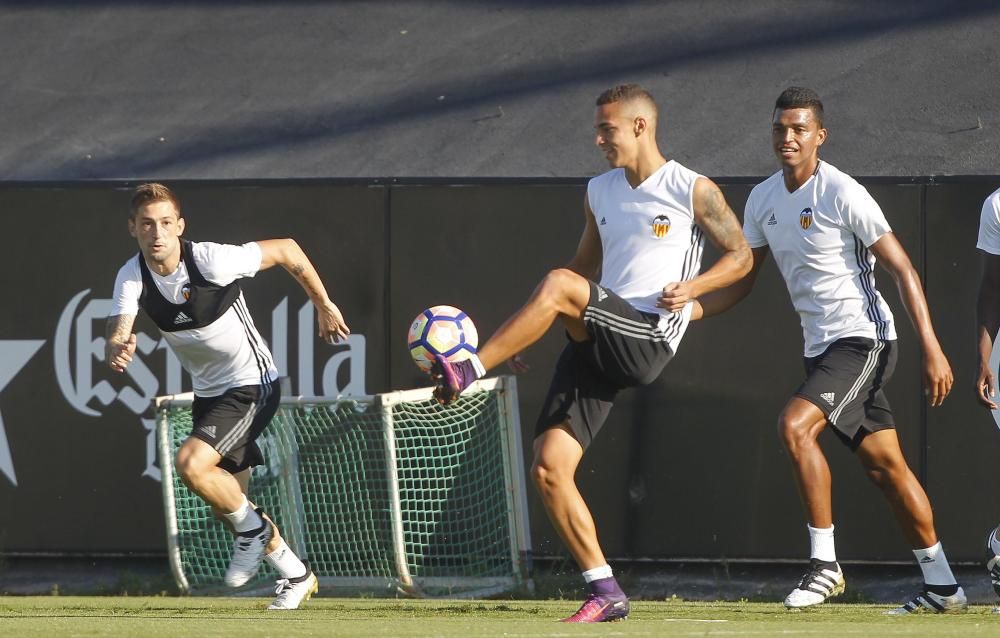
(846, 381)
(626, 348)
(232, 421)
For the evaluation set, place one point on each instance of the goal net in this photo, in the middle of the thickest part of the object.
(382, 494)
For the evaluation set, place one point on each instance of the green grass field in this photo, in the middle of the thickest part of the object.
(114, 617)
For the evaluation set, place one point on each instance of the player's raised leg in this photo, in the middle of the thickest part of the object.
(557, 455)
(799, 427)
(562, 294)
(883, 460)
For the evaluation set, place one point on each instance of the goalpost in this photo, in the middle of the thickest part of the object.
(390, 493)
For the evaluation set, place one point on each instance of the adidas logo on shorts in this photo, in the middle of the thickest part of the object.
(601, 295)
(182, 318)
(828, 397)
(210, 431)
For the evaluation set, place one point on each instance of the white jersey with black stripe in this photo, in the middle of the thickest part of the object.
(649, 239)
(228, 352)
(820, 237)
(989, 225)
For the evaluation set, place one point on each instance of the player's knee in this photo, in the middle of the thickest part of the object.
(558, 284)
(879, 476)
(886, 471)
(888, 476)
(189, 468)
(545, 477)
(795, 433)
(539, 474)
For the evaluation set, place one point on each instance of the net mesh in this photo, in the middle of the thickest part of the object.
(450, 471)
(326, 483)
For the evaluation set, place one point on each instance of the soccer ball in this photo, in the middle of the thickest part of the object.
(443, 330)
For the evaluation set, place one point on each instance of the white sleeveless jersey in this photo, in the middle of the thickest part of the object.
(649, 238)
(819, 236)
(225, 354)
(989, 225)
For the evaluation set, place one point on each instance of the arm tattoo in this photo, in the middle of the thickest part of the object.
(308, 279)
(119, 328)
(117, 332)
(718, 221)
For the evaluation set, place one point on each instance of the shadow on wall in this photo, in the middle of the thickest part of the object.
(296, 127)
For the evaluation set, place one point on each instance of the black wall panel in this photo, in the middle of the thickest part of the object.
(690, 466)
(962, 440)
(79, 434)
(484, 249)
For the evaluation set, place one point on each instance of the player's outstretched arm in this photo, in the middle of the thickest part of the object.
(119, 342)
(717, 220)
(719, 301)
(987, 324)
(288, 254)
(938, 377)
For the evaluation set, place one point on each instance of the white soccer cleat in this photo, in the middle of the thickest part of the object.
(927, 601)
(292, 592)
(248, 551)
(818, 584)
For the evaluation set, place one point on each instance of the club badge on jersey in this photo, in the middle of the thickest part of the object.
(661, 225)
(806, 218)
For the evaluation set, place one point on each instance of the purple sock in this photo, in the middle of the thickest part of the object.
(605, 587)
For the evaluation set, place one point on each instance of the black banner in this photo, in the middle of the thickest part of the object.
(690, 466)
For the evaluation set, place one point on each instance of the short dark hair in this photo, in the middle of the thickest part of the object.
(151, 193)
(797, 97)
(624, 93)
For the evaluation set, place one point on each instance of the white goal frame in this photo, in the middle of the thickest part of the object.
(403, 582)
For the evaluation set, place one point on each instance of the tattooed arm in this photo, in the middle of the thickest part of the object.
(717, 220)
(119, 342)
(288, 254)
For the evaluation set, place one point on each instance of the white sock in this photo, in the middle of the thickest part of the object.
(286, 562)
(597, 573)
(822, 546)
(477, 366)
(995, 542)
(934, 565)
(244, 518)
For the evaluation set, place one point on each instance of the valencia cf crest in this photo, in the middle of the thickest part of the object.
(186, 292)
(661, 225)
(806, 218)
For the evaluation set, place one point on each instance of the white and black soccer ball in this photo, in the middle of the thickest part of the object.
(443, 330)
